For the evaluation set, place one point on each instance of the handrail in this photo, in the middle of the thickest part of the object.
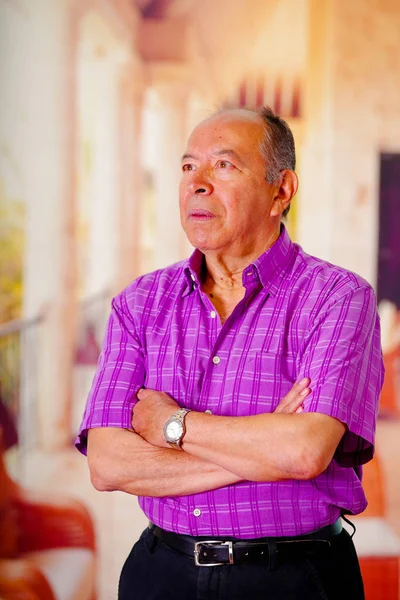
(19, 325)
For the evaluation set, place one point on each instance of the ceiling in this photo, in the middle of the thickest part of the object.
(230, 40)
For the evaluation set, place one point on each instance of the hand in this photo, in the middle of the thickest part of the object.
(150, 415)
(293, 401)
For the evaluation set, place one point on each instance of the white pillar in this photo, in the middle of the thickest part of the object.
(172, 133)
(131, 173)
(37, 128)
(315, 200)
(109, 89)
(105, 182)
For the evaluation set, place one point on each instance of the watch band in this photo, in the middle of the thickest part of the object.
(180, 417)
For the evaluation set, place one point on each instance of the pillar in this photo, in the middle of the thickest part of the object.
(37, 126)
(172, 99)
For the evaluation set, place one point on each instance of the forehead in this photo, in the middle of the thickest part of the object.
(234, 130)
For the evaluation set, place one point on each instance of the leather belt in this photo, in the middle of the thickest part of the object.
(222, 551)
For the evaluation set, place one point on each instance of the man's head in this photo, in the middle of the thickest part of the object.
(237, 181)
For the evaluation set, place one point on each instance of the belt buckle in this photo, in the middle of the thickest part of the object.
(212, 543)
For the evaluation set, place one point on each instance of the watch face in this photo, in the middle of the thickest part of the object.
(174, 431)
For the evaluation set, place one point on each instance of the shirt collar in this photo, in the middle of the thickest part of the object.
(274, 264)
(270, 268)
(193, 272)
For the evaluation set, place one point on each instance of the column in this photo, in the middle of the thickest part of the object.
(172, 133)
(37, 119)
(314, 226)
(131, 173)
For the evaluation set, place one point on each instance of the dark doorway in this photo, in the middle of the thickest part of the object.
(389, 230)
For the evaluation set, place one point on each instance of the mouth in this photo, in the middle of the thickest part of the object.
(200, 214)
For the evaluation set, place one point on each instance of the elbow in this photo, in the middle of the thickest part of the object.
(100, 477)
(301, 465)
(100, 483)
(309, 465)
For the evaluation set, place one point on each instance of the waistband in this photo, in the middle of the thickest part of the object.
(210, 552)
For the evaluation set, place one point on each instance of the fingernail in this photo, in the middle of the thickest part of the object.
(303, 381)
(305, 392)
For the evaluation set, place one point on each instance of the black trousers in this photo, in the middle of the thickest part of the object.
(153, 571)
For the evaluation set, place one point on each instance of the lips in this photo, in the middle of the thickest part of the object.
(200, 214)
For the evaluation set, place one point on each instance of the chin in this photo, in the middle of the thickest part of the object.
(205, 247)
(205, 241)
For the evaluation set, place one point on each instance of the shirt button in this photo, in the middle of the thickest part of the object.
(213, 314)
(208, 411)
(197, 512)
(193, 277)
(216, 360)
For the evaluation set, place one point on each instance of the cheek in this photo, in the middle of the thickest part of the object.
(235, 209)
(182, 195)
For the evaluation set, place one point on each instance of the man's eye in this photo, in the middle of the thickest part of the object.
(187, 167)
(225, 164)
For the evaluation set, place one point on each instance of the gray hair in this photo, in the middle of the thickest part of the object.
(277, 147)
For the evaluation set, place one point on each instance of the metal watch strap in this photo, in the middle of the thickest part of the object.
(179, 416)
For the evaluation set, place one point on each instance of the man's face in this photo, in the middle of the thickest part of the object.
(225, 200)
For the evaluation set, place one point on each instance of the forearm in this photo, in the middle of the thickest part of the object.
(266, 447)
(121, 460)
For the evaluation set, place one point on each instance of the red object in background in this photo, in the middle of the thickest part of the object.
(381, 577)
(7, 426)
(32, 523)
(389, 405)
(88, 352)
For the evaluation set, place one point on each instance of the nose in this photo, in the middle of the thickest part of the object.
(201, 185)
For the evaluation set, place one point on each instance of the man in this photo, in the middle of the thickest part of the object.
(253, 371)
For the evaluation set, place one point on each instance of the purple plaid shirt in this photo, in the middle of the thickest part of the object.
(300, 317)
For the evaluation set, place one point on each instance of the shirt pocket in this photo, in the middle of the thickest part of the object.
(265, 378)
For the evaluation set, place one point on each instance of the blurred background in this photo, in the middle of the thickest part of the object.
(97, 100)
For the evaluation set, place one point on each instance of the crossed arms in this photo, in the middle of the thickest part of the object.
(342, 359)
(217, 451)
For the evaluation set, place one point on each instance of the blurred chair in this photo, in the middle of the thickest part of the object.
(47, 544)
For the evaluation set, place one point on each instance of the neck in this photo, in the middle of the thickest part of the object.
(225, 270)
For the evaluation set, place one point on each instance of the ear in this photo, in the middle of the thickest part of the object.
(285, 192)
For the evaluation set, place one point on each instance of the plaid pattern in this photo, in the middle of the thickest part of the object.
(300, 317)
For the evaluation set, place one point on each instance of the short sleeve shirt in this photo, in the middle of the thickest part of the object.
(300, 317)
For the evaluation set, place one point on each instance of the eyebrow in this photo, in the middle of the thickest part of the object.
(187, 156)
(227, 152)
(222, 152)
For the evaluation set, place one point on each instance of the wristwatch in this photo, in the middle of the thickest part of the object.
(174, 428)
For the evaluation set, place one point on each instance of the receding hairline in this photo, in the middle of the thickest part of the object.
(244, 115)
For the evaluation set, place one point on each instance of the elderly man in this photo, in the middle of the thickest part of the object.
(237, 391)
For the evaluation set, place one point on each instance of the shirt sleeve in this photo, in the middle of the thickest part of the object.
(119, 376)
(342, 356)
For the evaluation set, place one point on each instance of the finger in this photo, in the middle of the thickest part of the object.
(297, 388)
(301, 385)
(143, 393)
(295, 392)
(298, 400)
(290, 404)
